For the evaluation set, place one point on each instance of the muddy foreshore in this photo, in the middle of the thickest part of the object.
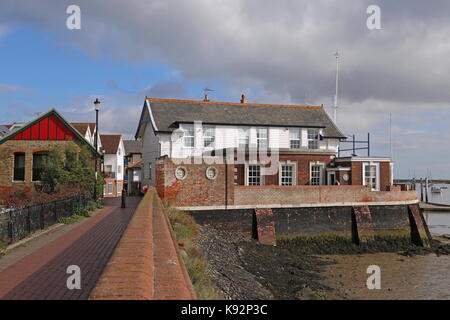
(242, 268)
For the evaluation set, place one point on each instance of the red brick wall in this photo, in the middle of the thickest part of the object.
(300, 195)
(385, 176)
(195, 189)
(28, 147)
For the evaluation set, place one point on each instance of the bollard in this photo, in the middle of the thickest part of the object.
(123, 199)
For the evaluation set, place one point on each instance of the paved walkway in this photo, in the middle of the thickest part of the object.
(42, 274)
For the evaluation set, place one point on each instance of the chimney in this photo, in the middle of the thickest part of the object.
(243, 98)
(206, 98)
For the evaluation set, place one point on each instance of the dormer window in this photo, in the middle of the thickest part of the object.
(295, 138)
(313, 138)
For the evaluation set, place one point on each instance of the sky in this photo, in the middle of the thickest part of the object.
(273, 51)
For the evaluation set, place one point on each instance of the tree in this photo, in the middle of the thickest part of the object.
(69, 167)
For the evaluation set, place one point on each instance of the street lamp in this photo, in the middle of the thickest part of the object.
(97, 108)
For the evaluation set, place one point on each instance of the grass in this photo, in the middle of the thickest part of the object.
(186, 232)
(341, 243)
(71, 219)
(2, 248)
(81, 212)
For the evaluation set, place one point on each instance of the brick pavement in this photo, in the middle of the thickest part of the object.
(42, 274)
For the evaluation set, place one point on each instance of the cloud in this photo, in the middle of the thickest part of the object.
(276, 52)
(8, 88)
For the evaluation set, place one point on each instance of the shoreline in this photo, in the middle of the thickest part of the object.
(243, 269)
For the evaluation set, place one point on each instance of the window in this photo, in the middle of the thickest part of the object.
(371, 176)
(38, 164)
(108, 168)
(136, 176)
(316, 174)
(254, 175)
(19, 166)
(313, 139)
(188, 137)
(287, 175)
(261, 137)
(244, 138)
(208, 137)
(110, 188)
(119, 169)
(295, 138)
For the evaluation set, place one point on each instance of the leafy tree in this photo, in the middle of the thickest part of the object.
(68, 167)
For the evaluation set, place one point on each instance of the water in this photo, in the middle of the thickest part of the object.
(438, 222)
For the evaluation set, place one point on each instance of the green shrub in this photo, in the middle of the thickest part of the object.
(99, 204)
(92, 206)
(81, 211)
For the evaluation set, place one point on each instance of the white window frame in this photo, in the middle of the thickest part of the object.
(299, 138)
(109, 184)
(243, 137)
(247, 175)
(294, 173)
(258, 139)
(321, 164)
(186, 130)
(209, 137)
(311, 140)
(377, 174)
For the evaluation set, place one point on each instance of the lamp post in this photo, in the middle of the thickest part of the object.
(97, 108)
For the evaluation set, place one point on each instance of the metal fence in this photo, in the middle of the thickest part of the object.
(16, 224)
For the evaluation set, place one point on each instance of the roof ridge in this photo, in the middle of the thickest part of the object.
(237, 103)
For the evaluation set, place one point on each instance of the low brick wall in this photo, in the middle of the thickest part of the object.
(295, 196)
(132, 271)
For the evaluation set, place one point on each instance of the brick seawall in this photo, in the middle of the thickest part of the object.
(146, 264)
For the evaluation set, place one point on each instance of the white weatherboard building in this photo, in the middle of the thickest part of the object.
(113, 164)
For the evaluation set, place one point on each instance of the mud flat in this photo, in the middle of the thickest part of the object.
(242, 268)
(402, 277)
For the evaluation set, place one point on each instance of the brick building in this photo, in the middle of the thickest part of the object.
(262, 144)
(22, 149)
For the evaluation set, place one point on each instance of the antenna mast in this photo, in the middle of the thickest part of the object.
(337, 87)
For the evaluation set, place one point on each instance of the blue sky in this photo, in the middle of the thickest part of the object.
(276, 52)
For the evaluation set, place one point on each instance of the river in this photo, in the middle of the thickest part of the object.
(438, 222)
(424, 277)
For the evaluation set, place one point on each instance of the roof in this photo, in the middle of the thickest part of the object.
(167, 114)
(49, 113)
(82, 127)
(132, 146)
(110, 142)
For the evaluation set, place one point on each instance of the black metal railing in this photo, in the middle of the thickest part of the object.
(16, 224)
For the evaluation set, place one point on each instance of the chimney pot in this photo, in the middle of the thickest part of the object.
(243, 98)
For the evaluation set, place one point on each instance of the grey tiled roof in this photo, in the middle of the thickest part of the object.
(168, 113)
(132, 146)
